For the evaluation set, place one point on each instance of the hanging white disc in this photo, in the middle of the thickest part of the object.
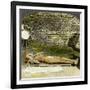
(25, 34)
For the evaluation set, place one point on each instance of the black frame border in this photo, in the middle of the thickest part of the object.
(13, 44)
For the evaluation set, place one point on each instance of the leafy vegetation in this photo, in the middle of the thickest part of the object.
(53, 33)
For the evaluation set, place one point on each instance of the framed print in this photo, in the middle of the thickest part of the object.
(48, 44)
